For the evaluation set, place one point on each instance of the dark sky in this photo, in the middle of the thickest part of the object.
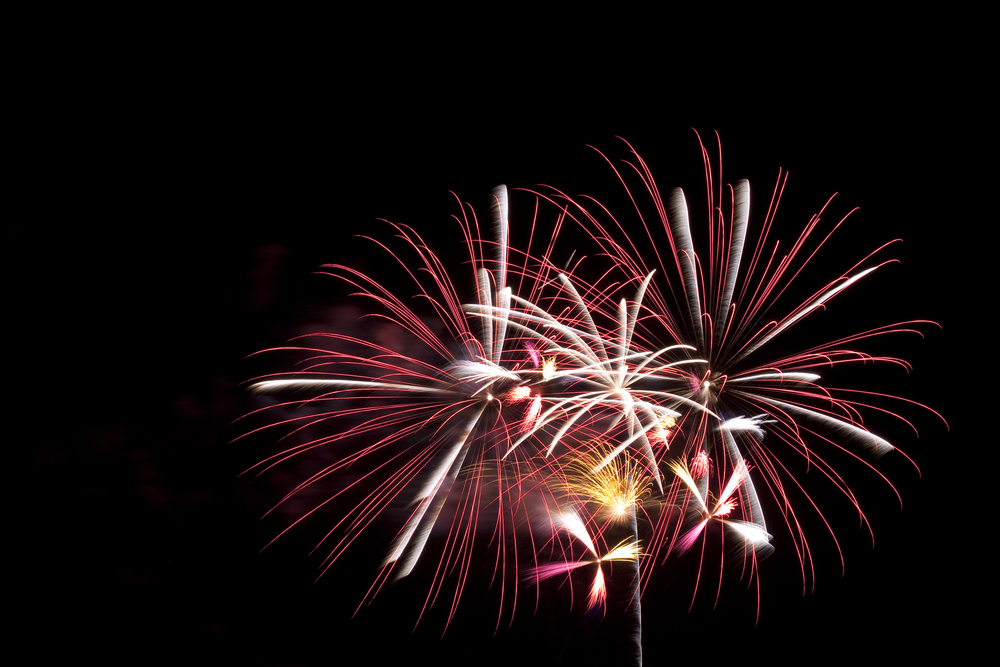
(202, 192)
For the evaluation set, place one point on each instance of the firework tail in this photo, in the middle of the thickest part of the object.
(634, 611)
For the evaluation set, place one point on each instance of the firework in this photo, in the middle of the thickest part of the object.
(421, 416)
(721, 299)
(462, 429)
(615, 486)
(628, 551)
(642, 401)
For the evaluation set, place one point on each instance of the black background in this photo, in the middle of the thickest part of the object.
(187, 189)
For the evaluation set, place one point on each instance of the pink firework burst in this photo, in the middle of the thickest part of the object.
(461, 424)
(719, 288)
(525, 409)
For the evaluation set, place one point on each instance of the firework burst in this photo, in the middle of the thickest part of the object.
(461, 429)
(421, 417)
(721, 298)
(646, 397)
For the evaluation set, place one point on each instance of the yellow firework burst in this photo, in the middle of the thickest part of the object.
(617, 487)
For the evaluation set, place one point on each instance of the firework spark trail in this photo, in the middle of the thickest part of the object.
(590, 389)
(719, 301)
(627, 551)
(634, 610)
(590, 364)
(611, 496)
(551, 390)
(449, 401)
(721, 508)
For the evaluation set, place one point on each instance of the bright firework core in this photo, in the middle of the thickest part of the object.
(615, 488)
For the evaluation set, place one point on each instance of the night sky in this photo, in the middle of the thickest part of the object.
(202, 192)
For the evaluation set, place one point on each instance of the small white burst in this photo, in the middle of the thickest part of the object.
(751, 424)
